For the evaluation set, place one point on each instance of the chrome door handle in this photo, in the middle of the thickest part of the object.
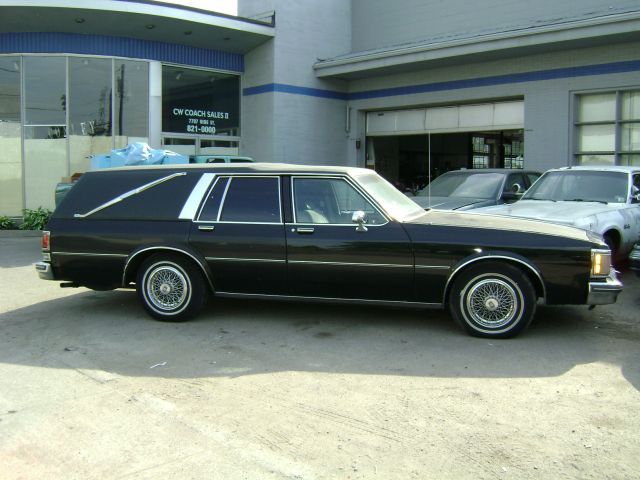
(206, 228)
(305, 230)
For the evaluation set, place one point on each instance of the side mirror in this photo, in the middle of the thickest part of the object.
(360, 218)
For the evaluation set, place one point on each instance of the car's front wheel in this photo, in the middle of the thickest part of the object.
(171, 288)
(492, 299)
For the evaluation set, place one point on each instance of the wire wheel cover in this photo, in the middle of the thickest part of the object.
(492, 303)
(167, 288)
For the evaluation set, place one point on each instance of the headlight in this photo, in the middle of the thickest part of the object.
(600, 263)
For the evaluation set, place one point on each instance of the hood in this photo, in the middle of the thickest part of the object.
(559, 212)
(474, 219)
(451, 203)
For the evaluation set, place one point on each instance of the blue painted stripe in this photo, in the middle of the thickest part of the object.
(42, 42)
(284, 88)
(535, 76)
(296, 90)
(555, 74)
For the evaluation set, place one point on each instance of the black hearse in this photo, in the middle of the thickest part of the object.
(177, 233)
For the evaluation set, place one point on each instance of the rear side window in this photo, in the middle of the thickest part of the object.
(211, 206)
(252, 200)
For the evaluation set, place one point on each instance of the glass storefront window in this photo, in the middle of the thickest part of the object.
(131, 106)
(90, 116)
(45, 90)
(198, 102)
(10, 138)
(45, 144)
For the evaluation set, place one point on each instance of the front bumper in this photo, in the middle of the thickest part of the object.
(634, 259)
(44, 271)
(604, 292)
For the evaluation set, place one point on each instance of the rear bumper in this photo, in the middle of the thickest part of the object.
(44, 271)
(605, 291)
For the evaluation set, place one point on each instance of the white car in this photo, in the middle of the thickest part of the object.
(603, 199)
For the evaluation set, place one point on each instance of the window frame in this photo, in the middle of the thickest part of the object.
(231, 176)
(334, 177)
(618, 122)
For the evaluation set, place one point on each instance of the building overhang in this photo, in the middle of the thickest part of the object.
(591, 32)
(143, 20)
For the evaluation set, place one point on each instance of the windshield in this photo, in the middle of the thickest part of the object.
(464, 185)
(394, 202)
(580, 186)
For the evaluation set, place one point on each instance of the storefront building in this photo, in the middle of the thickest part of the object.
(414, 88)
(410, 88)
(79, 82)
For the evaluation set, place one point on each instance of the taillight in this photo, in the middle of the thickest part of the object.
(46, 240)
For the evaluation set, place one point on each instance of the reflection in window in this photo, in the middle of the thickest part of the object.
(10, 143)
(45, 92)
(131, 122)
(90, 116)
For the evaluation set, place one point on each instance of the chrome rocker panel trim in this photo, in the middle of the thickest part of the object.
(352, 301)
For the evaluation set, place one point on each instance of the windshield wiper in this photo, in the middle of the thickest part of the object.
(585, 200)
(540, 199)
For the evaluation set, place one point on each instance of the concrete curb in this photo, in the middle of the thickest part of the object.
(20, 233)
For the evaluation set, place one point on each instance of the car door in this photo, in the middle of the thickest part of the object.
(329, 256)
(240, 232)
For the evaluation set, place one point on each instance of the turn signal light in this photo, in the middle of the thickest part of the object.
(600, 263)
(45, 240)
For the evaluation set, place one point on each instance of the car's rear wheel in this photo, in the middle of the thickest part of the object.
(493, 299)
(171, 288)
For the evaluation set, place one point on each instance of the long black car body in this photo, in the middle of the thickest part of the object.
(179, 233)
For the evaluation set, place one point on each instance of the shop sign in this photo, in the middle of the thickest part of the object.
(191, 120)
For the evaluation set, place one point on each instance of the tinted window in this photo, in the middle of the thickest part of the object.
(212, 203)
(252, 200)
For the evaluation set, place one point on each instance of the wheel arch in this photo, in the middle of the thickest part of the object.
(532, 272)
(138, 256)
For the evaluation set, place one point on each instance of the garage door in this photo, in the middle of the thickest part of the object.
(457, 118)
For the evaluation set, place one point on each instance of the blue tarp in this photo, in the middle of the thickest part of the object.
(137, 153)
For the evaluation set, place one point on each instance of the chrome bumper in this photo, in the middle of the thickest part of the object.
(605, 291)
(44, 271)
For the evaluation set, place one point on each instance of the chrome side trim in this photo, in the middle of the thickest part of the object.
(433, 267)
(195, 259)
(128, 194)
(190, 207)
(490, 257)
(362, 301)
(85, 254)
(348, 264)
(232, 259)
